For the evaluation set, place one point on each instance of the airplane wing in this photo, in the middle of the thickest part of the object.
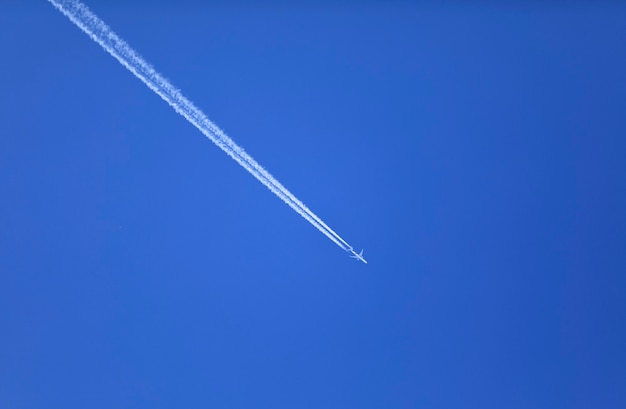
(358, 256)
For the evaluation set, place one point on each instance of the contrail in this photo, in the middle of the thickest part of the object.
(81, 16)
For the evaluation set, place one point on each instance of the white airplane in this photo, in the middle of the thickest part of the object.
(358, 256)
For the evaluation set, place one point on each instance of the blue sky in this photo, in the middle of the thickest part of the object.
(476, 153)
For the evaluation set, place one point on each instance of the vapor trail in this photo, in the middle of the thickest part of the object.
(95, 28)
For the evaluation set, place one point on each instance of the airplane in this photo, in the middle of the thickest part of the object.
(358, 256)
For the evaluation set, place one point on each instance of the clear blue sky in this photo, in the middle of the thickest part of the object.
(476, 153)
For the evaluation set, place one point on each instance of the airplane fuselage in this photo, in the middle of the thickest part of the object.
(358, 256)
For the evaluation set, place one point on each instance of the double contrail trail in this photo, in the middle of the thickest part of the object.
(95, 28)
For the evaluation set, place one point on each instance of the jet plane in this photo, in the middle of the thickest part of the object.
(358, 256)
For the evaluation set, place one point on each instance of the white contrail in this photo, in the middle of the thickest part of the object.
(95, 28)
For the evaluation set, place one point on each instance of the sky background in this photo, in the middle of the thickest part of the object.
(476, 153)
